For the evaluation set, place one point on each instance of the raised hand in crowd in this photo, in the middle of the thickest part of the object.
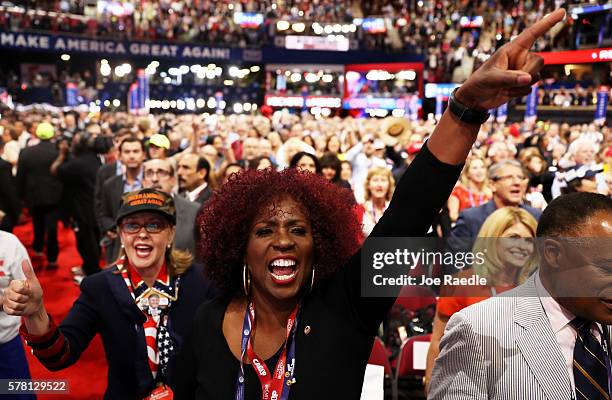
(510, 71)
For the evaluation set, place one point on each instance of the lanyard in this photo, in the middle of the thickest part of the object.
(373, 213)
(271, 385)
(480, 198)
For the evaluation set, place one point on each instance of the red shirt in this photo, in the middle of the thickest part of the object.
(468, 198)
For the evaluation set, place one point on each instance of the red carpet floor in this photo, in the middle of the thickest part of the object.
(86, 378)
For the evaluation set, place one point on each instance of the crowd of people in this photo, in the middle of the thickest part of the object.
(353, 153)
(37, 85)
(208, 22)
(280, 211)
(577, 96)
(456, 37)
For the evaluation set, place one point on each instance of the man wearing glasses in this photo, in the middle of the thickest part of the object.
(508, 182)
(159, 174)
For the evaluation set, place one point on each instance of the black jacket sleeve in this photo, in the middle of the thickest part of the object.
(81, 324)
(104, 210)
(418, 197)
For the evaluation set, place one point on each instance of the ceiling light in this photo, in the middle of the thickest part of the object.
(282, 25)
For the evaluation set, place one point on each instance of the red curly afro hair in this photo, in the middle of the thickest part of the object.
(225, 222)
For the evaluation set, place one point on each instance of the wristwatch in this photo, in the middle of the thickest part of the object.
(465, 114)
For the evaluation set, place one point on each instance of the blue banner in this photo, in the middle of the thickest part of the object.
(603, 96)
(502, 113)
(143, 90)
(126, 49)
(190, 52)
(72, 94)
(218, 100)
(531, 105)
(133, 99)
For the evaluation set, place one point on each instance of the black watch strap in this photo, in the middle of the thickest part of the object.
(465, 114)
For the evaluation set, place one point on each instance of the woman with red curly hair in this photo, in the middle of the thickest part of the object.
(284, 249)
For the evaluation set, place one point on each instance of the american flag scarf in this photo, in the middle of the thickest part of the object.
(160, 344)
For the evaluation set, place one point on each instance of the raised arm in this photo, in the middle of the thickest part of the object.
(56, 348)
(429, 180)
(509, 73)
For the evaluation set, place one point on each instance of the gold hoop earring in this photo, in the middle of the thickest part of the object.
(246, 280)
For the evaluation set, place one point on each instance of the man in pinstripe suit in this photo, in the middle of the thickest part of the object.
(527, 344)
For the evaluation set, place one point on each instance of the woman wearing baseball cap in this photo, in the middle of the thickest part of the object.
(140, 338)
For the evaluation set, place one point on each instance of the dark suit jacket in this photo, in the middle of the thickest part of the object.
(105, 172)
(79, 177)
(34, 180)
(112, 190)
(204, 195)
(186, 212)
(105, 306)
(9, 203)
(470, 221)
(106, 214)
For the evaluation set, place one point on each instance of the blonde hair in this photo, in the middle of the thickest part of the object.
(493, 228)
(379, 171)
(464, 174)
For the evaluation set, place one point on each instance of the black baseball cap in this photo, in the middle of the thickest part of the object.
(147, 200)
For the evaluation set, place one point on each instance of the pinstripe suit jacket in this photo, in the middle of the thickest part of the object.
(501, 348)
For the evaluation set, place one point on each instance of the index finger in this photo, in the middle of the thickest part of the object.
(531, 34)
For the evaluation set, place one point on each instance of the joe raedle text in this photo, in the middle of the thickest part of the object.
(424, 280)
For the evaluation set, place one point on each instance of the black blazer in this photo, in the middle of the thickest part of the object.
(9, 203)
(106, 212)
(204, 195)
(79, 177)
(34, 180)
(105, 172)
(105, 306)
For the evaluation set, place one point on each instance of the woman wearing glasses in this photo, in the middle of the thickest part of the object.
(141, 306)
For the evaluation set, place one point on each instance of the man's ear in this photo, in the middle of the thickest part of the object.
(553, 253)
(491, 184)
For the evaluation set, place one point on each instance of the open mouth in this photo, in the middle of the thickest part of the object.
(283, 270)
(519, 254)
(143, 250)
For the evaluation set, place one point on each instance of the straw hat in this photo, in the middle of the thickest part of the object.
(395, 130)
